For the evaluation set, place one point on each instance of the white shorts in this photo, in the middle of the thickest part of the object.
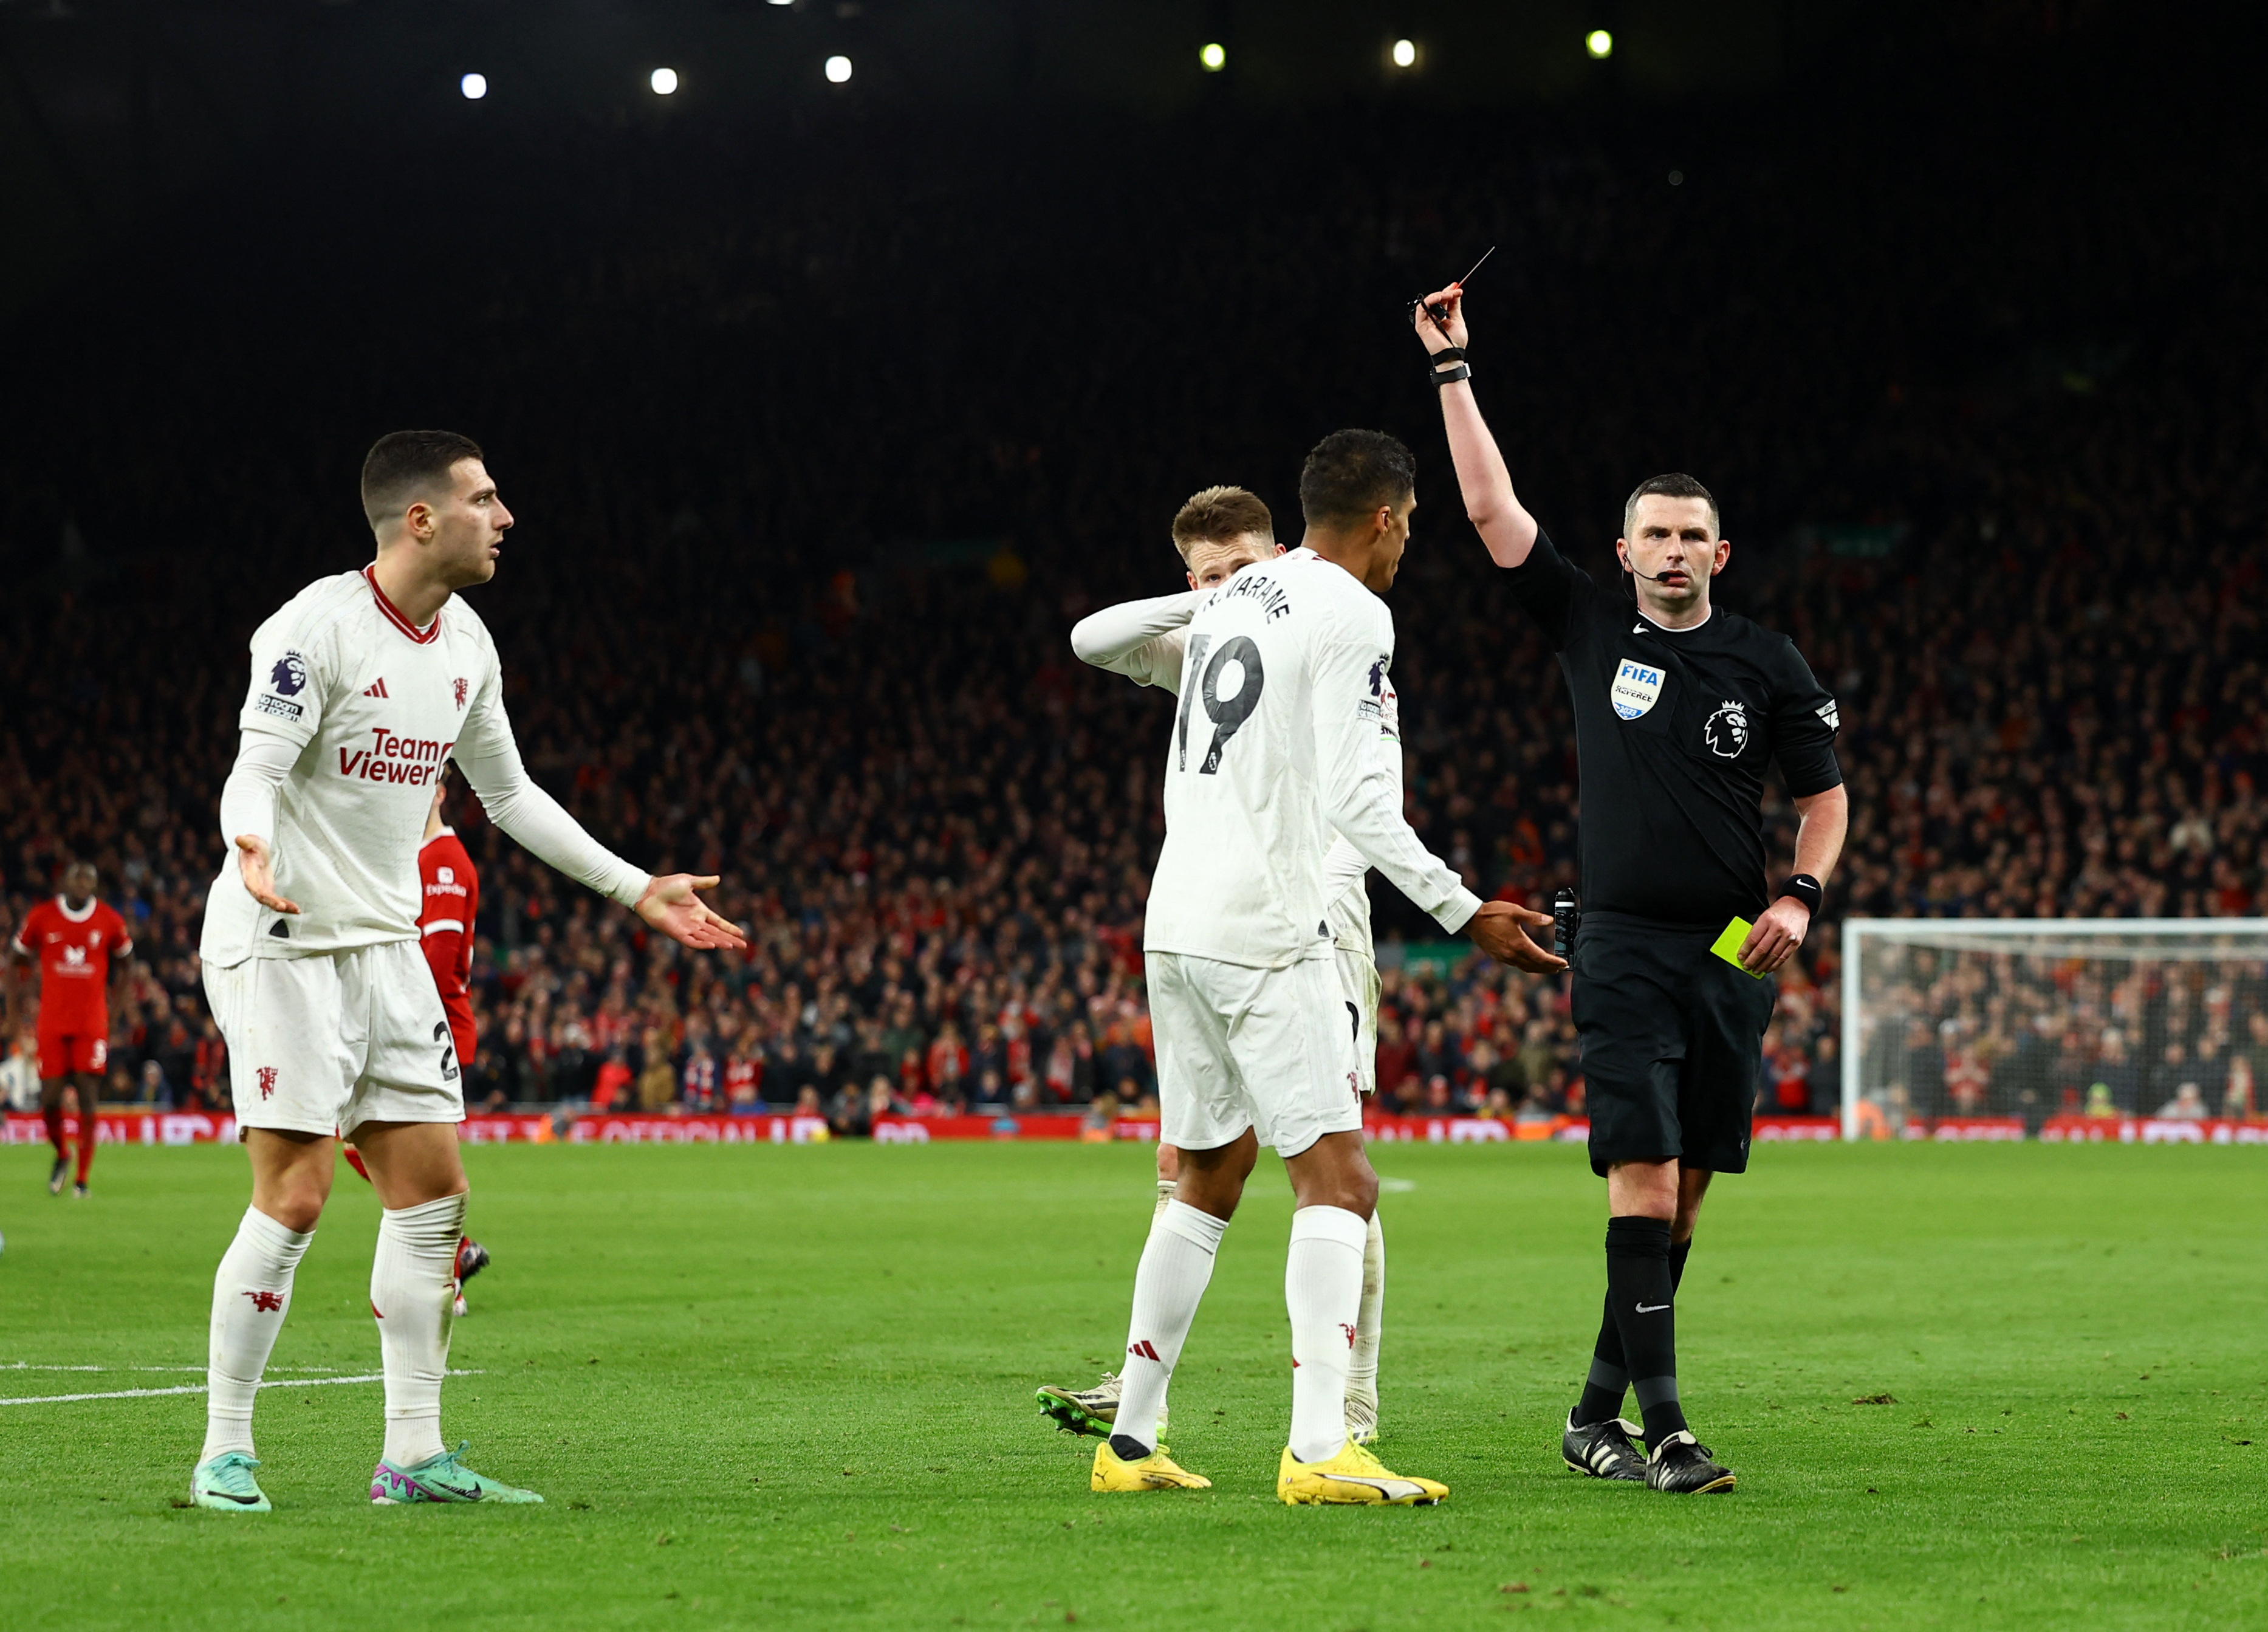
(1358, 980)
(1238, 1048)
(323, 1044)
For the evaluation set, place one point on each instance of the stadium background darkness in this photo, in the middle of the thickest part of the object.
(826, 408)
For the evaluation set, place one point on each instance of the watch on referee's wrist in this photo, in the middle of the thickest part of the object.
(1804, 889)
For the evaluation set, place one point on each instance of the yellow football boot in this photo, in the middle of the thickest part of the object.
(1355, 1477)
(1154, 1472)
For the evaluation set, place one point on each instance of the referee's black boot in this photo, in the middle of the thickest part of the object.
(1683, 1464)
(1603, 1450)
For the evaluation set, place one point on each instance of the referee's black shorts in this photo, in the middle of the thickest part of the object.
(1673, 1042)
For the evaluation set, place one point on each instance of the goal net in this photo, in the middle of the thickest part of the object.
(2065, 1027)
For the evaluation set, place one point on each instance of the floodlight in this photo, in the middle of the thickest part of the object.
(475, 87)
(838, 70)
(1214, 58)
(664, 82)
(1405, 53)
(1599, 44)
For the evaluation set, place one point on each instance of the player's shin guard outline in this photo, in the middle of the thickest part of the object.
(1362, 1365)
(252, 1293)
(1170, 1281)
(413, 1293)
(1322, 1292)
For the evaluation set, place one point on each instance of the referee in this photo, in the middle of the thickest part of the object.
(1678, 708)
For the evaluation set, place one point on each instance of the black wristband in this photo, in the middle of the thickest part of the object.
(1805, 888)
(1450, 377)
(1448, 354)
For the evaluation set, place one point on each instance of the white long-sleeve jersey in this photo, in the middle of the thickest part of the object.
(1274, 750)
(1143, 640)
(351, 713)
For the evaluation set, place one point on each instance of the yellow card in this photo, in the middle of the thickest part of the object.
(1728, 946)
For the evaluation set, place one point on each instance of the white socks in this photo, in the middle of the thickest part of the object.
(1322, 1289)
(412, 1287)
(1176, 1264)
(1362, 1368)
(252, 1291)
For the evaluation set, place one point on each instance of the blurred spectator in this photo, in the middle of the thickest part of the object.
(2119, 1077)
(2187, 1105)
(699, 1084)
(657, 1084)
(19, 1073)
(612, 1082)
(153, 1090)
(1823, 1078)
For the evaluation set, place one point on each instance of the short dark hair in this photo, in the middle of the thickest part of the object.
(1221, 515)
(1352, 472)
(1676, 484)
(403, 464)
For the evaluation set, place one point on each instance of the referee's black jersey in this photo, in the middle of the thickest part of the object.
(1673, 728)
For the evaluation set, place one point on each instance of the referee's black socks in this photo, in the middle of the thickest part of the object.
(1609, 1379)
(1641, 1298)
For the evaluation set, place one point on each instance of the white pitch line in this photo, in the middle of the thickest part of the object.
(25, 1365)
(198, 1388)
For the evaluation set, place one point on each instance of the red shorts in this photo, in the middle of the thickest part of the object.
(63, 1053)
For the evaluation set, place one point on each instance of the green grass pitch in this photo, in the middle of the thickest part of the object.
(791, 1386)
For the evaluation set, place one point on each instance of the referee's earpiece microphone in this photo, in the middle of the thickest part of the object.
(1650, 577)
(1631, 567)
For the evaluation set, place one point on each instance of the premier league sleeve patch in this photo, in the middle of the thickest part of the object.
(285, 681)
(1637, 687)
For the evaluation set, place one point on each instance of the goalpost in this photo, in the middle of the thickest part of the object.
(2038, 1017)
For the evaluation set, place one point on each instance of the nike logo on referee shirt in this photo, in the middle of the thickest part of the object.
(1652, 1308)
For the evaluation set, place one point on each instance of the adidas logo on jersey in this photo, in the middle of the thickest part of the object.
(376, 688)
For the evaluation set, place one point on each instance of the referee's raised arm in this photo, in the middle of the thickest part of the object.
(1493, 508)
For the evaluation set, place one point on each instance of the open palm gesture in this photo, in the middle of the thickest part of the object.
(671, 906)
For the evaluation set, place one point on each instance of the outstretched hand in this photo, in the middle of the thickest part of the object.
(252, 864)
(1496, 929)
(1451, 302)
(671, 906)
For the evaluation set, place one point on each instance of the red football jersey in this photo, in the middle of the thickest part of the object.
(452, 898)
(74, 952)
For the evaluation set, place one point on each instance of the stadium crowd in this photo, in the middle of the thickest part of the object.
(811, 501)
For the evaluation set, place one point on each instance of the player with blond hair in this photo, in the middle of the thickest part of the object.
(1220, 531)
(1274, 748)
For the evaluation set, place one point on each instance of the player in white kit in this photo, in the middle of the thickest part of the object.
(1274, 747)
(363, 685)
(1218, 531)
